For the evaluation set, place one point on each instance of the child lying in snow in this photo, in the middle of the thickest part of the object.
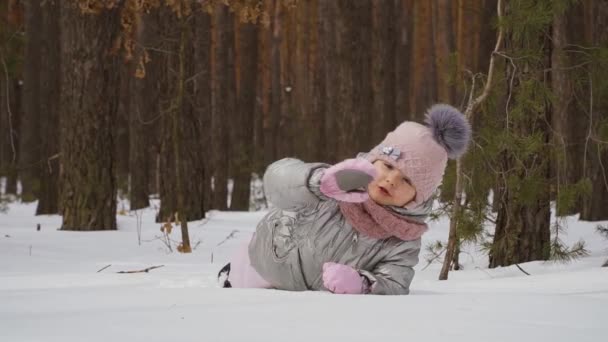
(354, 227)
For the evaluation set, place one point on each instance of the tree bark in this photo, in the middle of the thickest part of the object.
(50, 84)
(222, 108)
(242, 147)
(595, 152)
(383, 74)
(443, 42)
(30, 152)
(404, 10)
(182, 154)
(565, 117)
(87, 118)
(202, 99)
(523, 220)
(144, 103)
(328, 10)
(423, 79)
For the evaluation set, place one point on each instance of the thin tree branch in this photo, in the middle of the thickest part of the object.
(145, 270)
(452, 239)
(103, 268)
(521, 269)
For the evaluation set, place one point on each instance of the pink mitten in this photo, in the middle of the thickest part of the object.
(347, 181)
(342, 279)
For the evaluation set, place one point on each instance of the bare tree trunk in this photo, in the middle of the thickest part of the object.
(404, 10)
(222, 108)
(202, 100)
(423, 79)
(316, 70)
(182, 154)
(12, 113)
(242, 148)
(50, 85)
(168, 54)
(178, 129)
(10, 91)
(87, 118)
(443, 41)
(29, 132)
(384, 46)
(328, 11)
(144, 102)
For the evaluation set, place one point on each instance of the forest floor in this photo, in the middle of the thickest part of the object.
(55, 286)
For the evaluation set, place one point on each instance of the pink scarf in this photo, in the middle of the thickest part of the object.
(377, 222)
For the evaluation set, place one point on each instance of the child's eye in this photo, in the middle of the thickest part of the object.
(388, 166)
(406, 180)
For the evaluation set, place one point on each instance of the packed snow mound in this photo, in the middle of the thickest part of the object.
(64, 286)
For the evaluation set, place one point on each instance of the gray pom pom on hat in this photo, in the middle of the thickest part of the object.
(450, 129)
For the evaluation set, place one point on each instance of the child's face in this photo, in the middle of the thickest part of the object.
(390, 187)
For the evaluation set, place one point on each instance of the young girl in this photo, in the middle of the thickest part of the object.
(354, 227)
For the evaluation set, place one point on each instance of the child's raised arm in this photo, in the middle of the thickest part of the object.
(291, 184)
(286, 183)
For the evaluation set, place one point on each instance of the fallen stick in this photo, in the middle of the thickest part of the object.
(521, 269)
(104, 268)
(142, 271)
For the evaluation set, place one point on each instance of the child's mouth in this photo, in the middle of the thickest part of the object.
(384, 191)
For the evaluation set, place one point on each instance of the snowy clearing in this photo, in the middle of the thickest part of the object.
(51, 290)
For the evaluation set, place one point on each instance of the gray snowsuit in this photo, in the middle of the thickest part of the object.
(307, 229)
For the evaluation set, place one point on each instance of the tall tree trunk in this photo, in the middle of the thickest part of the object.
(423, 80)
(12, 113)
(29, 132)
(443, 42)
(87, 118)
(384, 46)
(354, 92)
(182, 152)
(202, 99)
(222, 79)
(316, 69)
(266, 90)
(596, 152)
(285, 75)
(566, 122)
(125, 107)
(404, 10)
(361, 24)
(179, 114)
(246, 62)
(328, 12)
(144, 104)
(50, 85)
(523, 220)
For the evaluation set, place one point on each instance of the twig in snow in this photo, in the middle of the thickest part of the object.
(142, 271)
(521, 269)
(104, 268)
(605, 263)
(230, 236)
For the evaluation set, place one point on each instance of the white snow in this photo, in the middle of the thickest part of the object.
(50, 290)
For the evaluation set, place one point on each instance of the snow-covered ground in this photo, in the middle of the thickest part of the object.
(51, 290)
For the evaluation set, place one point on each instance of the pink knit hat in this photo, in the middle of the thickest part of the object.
(421, 152)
